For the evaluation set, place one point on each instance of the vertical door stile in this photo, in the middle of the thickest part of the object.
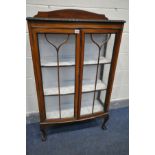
(38, 78)
(81, 62)
(77, 57)
(77, 72)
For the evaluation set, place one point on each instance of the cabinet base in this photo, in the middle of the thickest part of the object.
(44, 125)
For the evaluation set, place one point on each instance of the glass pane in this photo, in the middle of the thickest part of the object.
(52, 106)
(66, 79)
(97, 61)
(87, 102)
(57, 58)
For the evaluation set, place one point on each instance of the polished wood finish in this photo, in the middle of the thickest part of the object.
(69, 120)
(77, 71)
(71, 25)
(71, 14)
(66, 22)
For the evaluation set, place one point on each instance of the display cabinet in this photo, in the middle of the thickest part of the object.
(74, 56)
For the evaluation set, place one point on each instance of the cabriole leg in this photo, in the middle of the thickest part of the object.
(43, 135)
(105, 121)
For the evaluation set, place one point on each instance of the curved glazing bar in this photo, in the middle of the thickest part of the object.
(58, 71)
(98, 59)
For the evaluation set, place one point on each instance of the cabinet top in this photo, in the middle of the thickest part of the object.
(71, 15)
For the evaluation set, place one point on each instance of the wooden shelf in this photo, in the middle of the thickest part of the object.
(50, 62)
(67, 110)
(69, 89)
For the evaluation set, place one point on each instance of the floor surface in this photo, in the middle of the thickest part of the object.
(84, 138)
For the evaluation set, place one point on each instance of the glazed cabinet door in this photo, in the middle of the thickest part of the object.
(56, 66)
(96, 62)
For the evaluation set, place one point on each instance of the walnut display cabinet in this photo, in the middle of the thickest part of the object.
(74, 56)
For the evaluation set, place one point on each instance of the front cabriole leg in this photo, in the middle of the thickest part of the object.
(105, 121)
(43, 134)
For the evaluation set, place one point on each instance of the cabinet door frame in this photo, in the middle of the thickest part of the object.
(33, 32)
(117, 41)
